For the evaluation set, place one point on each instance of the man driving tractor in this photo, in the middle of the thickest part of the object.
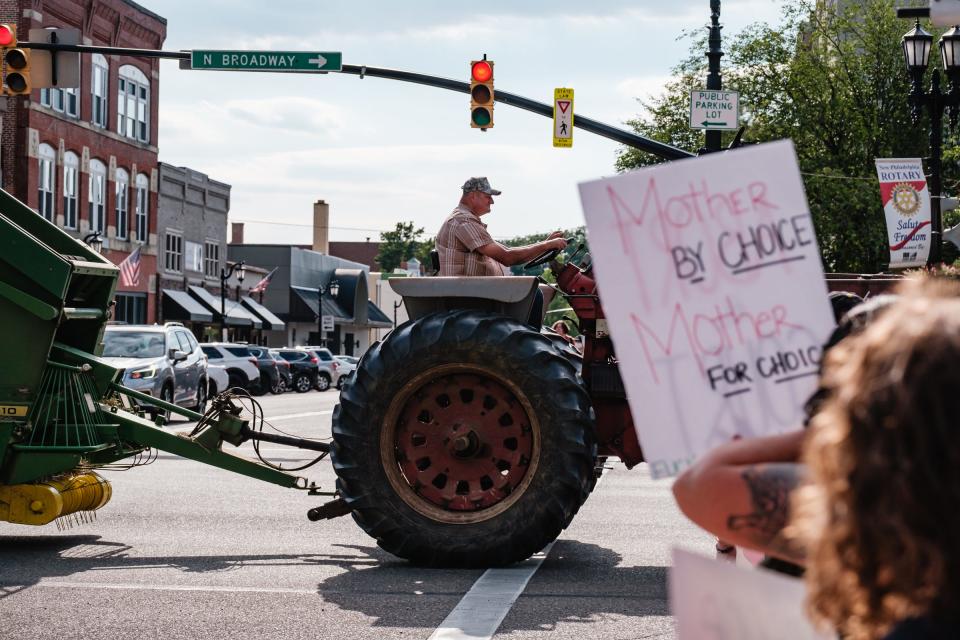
(466, 247)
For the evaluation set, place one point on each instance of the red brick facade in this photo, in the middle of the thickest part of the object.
(27, 125)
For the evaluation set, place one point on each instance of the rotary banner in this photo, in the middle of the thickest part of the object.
(906, 203)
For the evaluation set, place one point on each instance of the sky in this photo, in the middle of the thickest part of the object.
(381, 151)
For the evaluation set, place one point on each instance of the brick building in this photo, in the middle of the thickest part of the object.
(86, 158)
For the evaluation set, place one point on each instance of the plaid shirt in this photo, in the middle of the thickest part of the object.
(459, 238)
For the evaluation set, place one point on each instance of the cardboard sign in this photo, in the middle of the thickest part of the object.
(713, 289)
(906, 204)
(716, 600)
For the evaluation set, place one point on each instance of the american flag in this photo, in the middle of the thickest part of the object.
(261, 286)
(130, 269)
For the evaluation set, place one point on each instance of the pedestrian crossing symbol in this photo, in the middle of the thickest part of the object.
(563, 117)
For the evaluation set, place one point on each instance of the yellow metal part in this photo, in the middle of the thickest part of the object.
(44, 502)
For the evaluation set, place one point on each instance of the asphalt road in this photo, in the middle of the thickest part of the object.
(189, 551)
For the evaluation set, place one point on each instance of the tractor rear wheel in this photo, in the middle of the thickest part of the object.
(464, 439)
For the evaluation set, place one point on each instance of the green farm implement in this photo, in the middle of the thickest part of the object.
(63, 413)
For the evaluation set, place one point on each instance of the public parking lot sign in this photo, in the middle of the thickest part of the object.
(327, 323)
(714, 109)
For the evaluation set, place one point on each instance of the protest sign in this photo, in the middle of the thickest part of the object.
(716, 600)
(714, 293)
(906, 204)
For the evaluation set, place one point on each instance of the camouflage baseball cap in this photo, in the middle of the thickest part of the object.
(479, 184)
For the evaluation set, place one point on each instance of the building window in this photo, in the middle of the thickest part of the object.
(99, 88)
(122, 207)
(173, 252)
(70, 181)
(131, 308)
(194, 256)
(46, 181)
(143, 203)
(97, 191)
(63, 100)
(211, 263)
(133, 104)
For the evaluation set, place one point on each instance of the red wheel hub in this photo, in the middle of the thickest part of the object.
(463, 442)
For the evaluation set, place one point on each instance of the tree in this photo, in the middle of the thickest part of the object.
(834, 81)
(398, 245)
(423, 252)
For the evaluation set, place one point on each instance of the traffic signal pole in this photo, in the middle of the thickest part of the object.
(659, 149)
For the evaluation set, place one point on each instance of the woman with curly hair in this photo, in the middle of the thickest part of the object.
(880, 517)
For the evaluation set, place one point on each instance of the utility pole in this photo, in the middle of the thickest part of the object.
(714, 80)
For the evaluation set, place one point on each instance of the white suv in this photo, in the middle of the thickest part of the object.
(240, 364)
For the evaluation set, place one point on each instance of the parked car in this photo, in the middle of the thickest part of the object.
(348, 364)
(164, 361)
(269, 375)
(240, 364)
(328, 373)
(217, 379)
(283, 368)
(303, 368)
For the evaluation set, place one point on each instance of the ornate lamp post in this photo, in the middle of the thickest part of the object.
(333, 288)
(94, 240)
(714, 79)
(916, 45)
(240, 270)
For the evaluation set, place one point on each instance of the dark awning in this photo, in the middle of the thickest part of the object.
(270, 321)
(309, 298)
(237, 315)
(178, 305)
(376, 317)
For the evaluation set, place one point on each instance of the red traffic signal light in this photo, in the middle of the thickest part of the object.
(481, 71)
(8, 35)
(481, 94)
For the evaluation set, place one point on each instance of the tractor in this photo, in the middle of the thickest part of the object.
(469, 436)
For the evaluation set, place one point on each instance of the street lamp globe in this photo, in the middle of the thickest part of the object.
(334, 288)
(241, 271)
(950, 48)
(94, 240)
(916, 48)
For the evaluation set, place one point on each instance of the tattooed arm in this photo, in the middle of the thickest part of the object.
(741, 492)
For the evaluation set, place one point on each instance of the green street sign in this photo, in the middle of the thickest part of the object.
(291, 61)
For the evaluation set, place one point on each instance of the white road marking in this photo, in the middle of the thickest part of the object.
(480, 612)
(483, 608)
(163, 587)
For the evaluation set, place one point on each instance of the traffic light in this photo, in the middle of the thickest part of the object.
(16, 63)
(481, 94)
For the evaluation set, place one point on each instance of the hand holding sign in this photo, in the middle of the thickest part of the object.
(712, 286)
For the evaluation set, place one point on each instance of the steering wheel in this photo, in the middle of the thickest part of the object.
(546, 256)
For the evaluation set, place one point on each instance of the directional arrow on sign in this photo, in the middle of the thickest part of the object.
(713, 124)
(320, 61)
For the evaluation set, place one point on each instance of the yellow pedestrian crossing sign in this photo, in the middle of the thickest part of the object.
(563, 117)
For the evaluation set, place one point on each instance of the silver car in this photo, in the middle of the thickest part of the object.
(161, 361)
